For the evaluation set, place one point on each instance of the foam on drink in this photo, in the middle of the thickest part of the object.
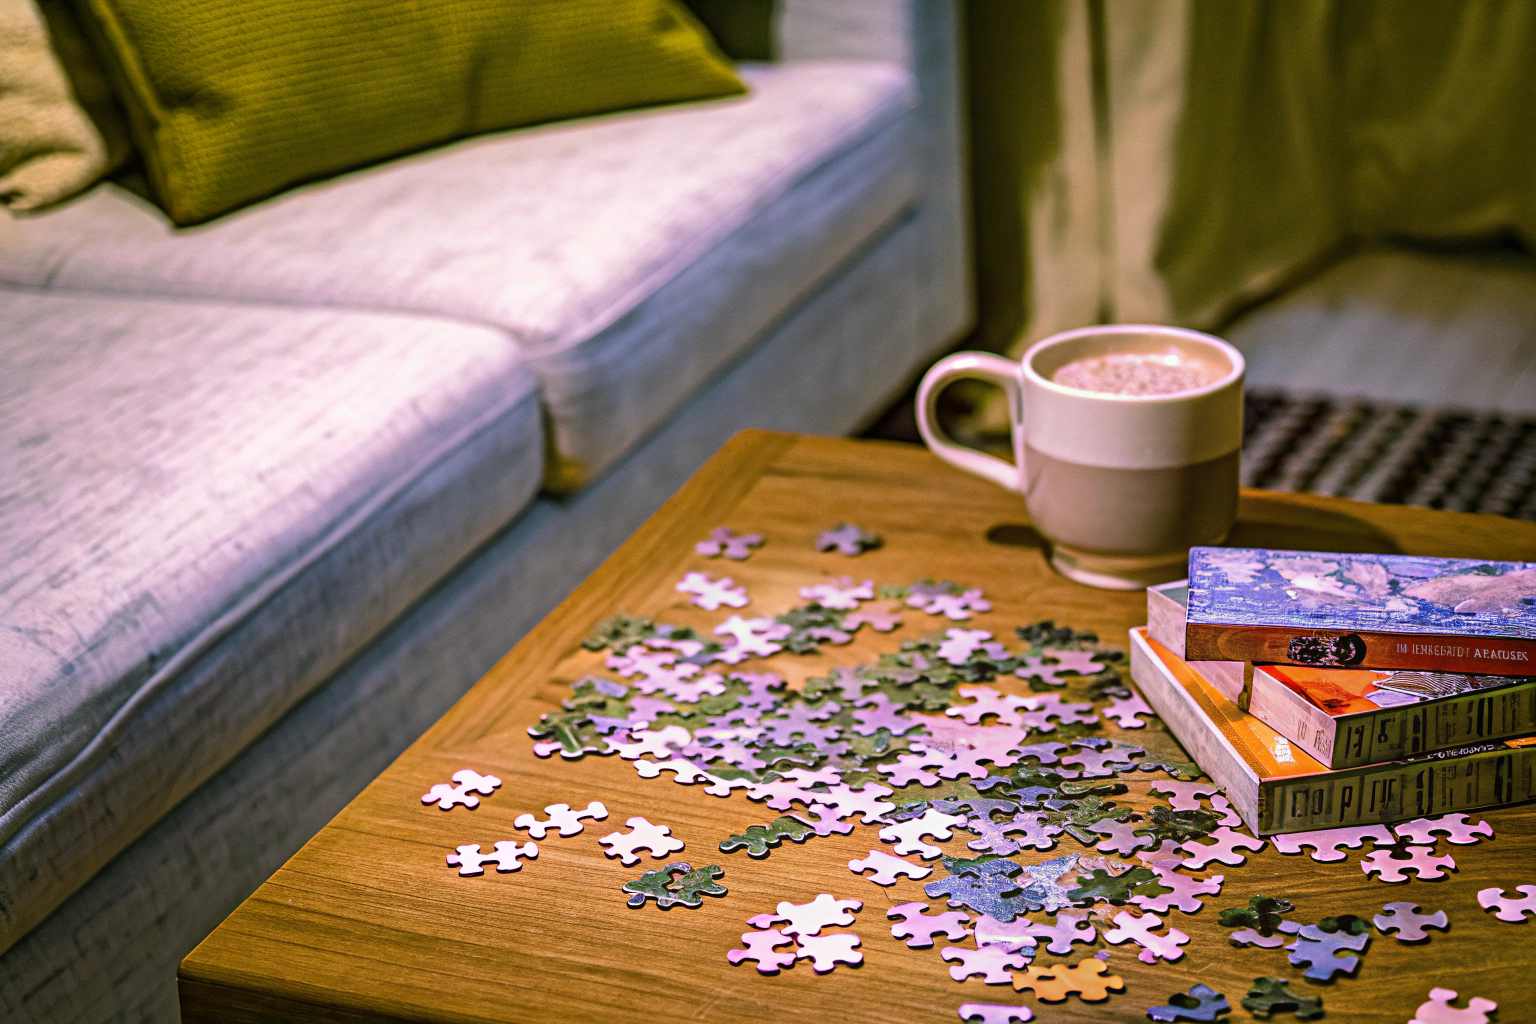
(1135, 373)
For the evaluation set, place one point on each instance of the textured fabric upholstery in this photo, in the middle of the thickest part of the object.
(205, 511)
(630, 258)
(148, 908)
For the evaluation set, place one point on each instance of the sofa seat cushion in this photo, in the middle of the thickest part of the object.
(206, 510)
(630, 257)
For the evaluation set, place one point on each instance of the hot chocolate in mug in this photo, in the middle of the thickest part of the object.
(1127, 441)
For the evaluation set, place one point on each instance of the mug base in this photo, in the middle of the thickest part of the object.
(1119, 572)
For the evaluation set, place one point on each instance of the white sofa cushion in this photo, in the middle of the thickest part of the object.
(205, 511)
(631, 257)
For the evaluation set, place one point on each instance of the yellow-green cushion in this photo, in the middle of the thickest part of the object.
(231, 102)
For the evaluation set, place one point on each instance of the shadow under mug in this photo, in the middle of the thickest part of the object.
(1121, 485)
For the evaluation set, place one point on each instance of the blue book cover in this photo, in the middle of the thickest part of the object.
(1371, 611)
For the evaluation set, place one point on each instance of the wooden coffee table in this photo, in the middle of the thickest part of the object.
(367, 923)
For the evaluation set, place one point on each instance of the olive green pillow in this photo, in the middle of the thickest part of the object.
(232, 102)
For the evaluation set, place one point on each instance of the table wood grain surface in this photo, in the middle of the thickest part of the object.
(366, 922)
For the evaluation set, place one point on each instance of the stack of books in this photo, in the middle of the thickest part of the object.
(1327, 690)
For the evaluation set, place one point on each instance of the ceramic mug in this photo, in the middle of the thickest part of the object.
(1120, 485)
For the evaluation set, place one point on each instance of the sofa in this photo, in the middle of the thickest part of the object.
(277, 489)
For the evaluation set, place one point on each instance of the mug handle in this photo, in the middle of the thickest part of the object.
(983, 366)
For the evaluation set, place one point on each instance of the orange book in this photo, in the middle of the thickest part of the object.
(1277, 786)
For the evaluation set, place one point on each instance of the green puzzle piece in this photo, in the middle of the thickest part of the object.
(1179, 826)
(1116, 889)
(1263, 914)
(1271, 995)
(688, 890)
(758, 838)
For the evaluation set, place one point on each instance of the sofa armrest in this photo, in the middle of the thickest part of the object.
(850, 29)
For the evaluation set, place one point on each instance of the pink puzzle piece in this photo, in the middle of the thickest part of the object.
(1186, 891)
(1070, 927)
(725, 541)
(710, 594)
(1440, 1011)
(1326, 843)
(993, 963)
(470, 861)
(642, 836)
(1420, 860)
(1139, 929)
(1453, 826)
(1016, 934)
(1124, 710)
(802, 919)
(462, 795)
(1183, 796)
(827, 951)
(996, 1013)
(919, 927)
(761, 947)
(1511, 910)
(561, 817)
(887, 869)
(908, 835)
(1224, 849)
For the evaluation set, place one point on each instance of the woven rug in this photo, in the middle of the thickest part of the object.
(1434, 458)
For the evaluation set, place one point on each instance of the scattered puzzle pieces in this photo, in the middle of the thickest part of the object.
(827, 951)
(1319, 950)
(463, 795)
(1438, 1010)
(723, 540)
(996, 1013)
(762, 947)
(560, 817)
(1326, 844)
(1090, 979)
(919, 927)
(1511, 910)
(470, 861)
(642, 836)
(1224, 849)
(802, 919)
(1408, 922)
(1453, 826)
(1203, 1003)
(1139, 929)
(1270, 996)
(758, 839)
(849, 540)
(887, 869)
(992, 963)
(1392, 865)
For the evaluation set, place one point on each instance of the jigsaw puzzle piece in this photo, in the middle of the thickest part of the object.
(468, 783)
(642, 836)
(470, 861)
(1203, 1003)
(561, 817)
(992, 963)
(1224, 849)
(1090, 979)
(1511, 910)
(723, 540)
(1408, 922)
(1319, 950)
(762, 947)
(887, 869)
(1270, 996)
(849, 540)
(1453, 826)
(1326, 843)
(995, 1013)
(908, 835)
(802, 919)
(827, 951)
(1438, 1010)
(757, 840)
(1140, 929)
(919, 927)
(1387, 866)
